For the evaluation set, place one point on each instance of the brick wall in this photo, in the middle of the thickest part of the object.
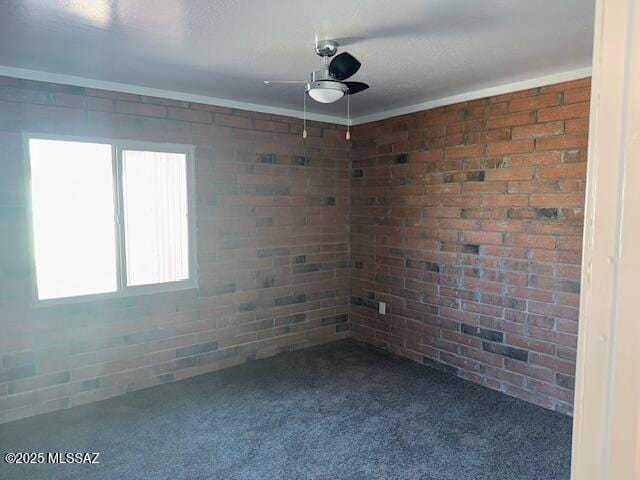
(467, 221)
(272, 212)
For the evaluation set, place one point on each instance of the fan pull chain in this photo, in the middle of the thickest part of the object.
(348, 135)
(304, 116)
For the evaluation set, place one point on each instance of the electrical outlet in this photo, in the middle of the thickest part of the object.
(382, 308)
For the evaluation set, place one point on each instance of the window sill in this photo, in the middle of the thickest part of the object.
(130, 292)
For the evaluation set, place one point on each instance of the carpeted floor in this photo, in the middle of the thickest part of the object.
(337, 411)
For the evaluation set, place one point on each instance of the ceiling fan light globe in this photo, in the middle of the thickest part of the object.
(325, 95)
(326, 91)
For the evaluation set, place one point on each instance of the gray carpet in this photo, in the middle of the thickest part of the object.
(337, 411)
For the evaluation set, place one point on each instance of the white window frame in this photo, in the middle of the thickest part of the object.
(123, 290)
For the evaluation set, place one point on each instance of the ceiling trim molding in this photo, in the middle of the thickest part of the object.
(41, 76)
(541, 81)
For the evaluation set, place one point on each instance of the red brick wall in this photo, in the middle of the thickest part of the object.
(467, 220)
(272, 212)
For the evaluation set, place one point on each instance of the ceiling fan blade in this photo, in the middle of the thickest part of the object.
(355, 87)
(343, 66)
(285, 82)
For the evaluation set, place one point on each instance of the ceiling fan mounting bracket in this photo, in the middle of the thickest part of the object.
(326, 48)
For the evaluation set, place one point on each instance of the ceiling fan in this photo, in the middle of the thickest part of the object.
(328, 85)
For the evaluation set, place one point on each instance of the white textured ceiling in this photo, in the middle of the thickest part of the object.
(412, 51)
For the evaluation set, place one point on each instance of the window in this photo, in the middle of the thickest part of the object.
(109, 218)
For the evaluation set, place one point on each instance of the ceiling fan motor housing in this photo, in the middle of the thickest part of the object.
(324, 74)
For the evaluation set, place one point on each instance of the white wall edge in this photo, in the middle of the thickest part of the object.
(41, 76)
(541, 81)
(536, 82)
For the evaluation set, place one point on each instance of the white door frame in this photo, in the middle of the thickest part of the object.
(606, 436)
